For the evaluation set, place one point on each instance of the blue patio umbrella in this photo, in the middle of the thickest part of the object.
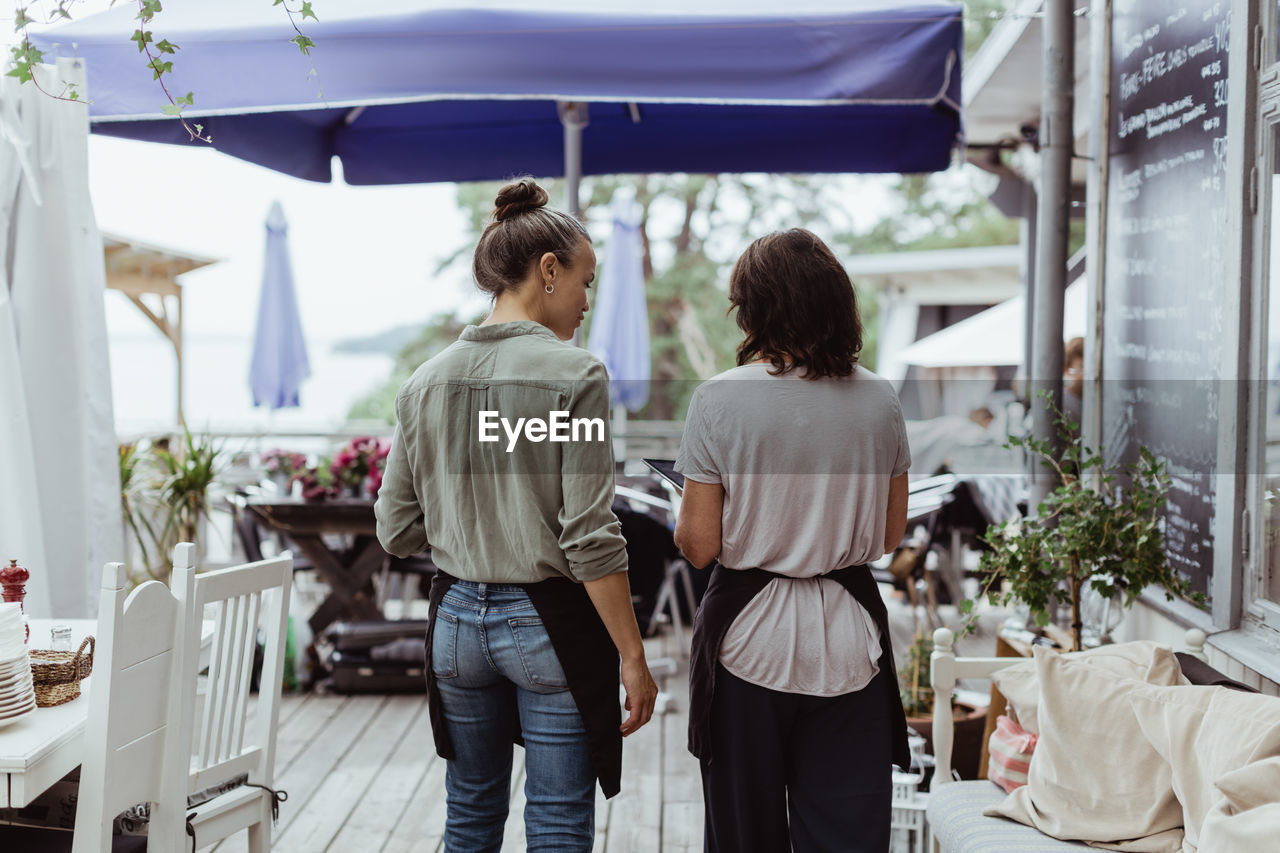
(465, 90)
(620, 328)
(279, 351)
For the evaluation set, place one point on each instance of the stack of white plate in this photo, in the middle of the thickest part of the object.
(17, 696)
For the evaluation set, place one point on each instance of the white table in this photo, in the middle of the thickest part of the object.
(42, 747)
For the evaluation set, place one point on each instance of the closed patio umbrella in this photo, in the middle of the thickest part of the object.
(279, 350)
(620, 328)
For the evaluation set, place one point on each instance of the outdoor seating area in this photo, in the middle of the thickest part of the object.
(358, 767)
(291, 527)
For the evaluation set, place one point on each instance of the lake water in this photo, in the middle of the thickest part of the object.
(217, 397)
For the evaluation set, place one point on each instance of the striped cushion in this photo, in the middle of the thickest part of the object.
(1010, 749)
(958, 825)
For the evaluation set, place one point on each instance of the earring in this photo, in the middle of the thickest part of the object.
(549, 288)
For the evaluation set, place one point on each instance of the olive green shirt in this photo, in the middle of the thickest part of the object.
(518, 508)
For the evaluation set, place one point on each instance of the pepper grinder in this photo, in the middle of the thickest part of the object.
(13, 581)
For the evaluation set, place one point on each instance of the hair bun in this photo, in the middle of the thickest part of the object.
(517, 198)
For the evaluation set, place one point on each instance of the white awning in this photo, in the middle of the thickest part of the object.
(994, 338)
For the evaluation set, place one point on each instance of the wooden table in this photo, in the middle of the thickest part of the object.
(348, 570)
(44, 746)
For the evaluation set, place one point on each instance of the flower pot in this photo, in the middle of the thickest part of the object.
(966, 747)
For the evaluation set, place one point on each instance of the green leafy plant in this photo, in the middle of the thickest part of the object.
(164, 495)
(1100, 526)
(913, 678)
(130, 497)
(185, 487)
(24, 56)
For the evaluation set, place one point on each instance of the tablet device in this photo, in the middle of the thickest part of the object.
(666, 469)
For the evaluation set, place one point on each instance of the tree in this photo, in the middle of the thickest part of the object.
(438, 332)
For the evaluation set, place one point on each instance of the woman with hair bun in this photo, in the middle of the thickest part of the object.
(531, 613)
(796, 477)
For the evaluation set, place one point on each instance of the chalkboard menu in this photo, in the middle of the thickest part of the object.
(1166, 234)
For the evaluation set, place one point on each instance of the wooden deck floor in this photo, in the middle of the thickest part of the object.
(362, 775)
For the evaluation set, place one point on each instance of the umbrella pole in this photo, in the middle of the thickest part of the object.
(573, 115)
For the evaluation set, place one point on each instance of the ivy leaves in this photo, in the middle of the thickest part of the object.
(24, 56)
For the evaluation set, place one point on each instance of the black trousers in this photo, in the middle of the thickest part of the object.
(808, 774)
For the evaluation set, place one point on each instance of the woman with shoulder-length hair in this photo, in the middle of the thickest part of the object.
(795, 464)
(531, 611)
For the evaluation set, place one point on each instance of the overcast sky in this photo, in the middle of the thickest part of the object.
(363, 257)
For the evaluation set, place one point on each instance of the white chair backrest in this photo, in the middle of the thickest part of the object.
(131, 708)
(233, 735)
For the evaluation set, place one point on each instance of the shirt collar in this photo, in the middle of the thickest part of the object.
(499, 331)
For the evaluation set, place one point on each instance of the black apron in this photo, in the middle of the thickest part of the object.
(729, 591)
(587, 655)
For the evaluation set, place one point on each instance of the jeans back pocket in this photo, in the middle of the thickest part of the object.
(444, 646)
(537, 655)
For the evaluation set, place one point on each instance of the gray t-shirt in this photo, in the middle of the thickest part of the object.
(805, 466)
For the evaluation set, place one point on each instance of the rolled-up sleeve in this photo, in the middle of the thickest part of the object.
(590, 536)
(401, 528)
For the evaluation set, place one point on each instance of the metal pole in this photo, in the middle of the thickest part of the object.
(1027, 272)
(1056, 140)
(573, 115)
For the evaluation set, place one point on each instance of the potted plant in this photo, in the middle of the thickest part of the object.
(283, 467)
(1100, 526)
(357, 468)
(917, 701)
(165, 497)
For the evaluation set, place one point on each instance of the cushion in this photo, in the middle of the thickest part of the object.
(1095, 777)
(1248, 812)
(1132, 660)
(957, 821)
(1204, 733)
(1010, 749)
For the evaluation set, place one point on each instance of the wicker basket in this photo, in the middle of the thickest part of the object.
(57, 675)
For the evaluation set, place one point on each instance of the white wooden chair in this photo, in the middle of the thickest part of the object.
(955, 816)
(131, 710)
(228, 735)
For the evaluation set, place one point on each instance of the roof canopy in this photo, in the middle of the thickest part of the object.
(426, 91)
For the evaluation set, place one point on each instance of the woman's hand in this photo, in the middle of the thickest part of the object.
(611, 596)
(642, 693)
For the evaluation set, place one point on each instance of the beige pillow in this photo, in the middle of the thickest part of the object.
(1138, 660)
(1204, 733)
(1247, 814)
(1094, 777)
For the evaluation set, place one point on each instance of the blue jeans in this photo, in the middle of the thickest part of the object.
(492, 660)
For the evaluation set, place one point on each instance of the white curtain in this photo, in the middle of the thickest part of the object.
(59, 477)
